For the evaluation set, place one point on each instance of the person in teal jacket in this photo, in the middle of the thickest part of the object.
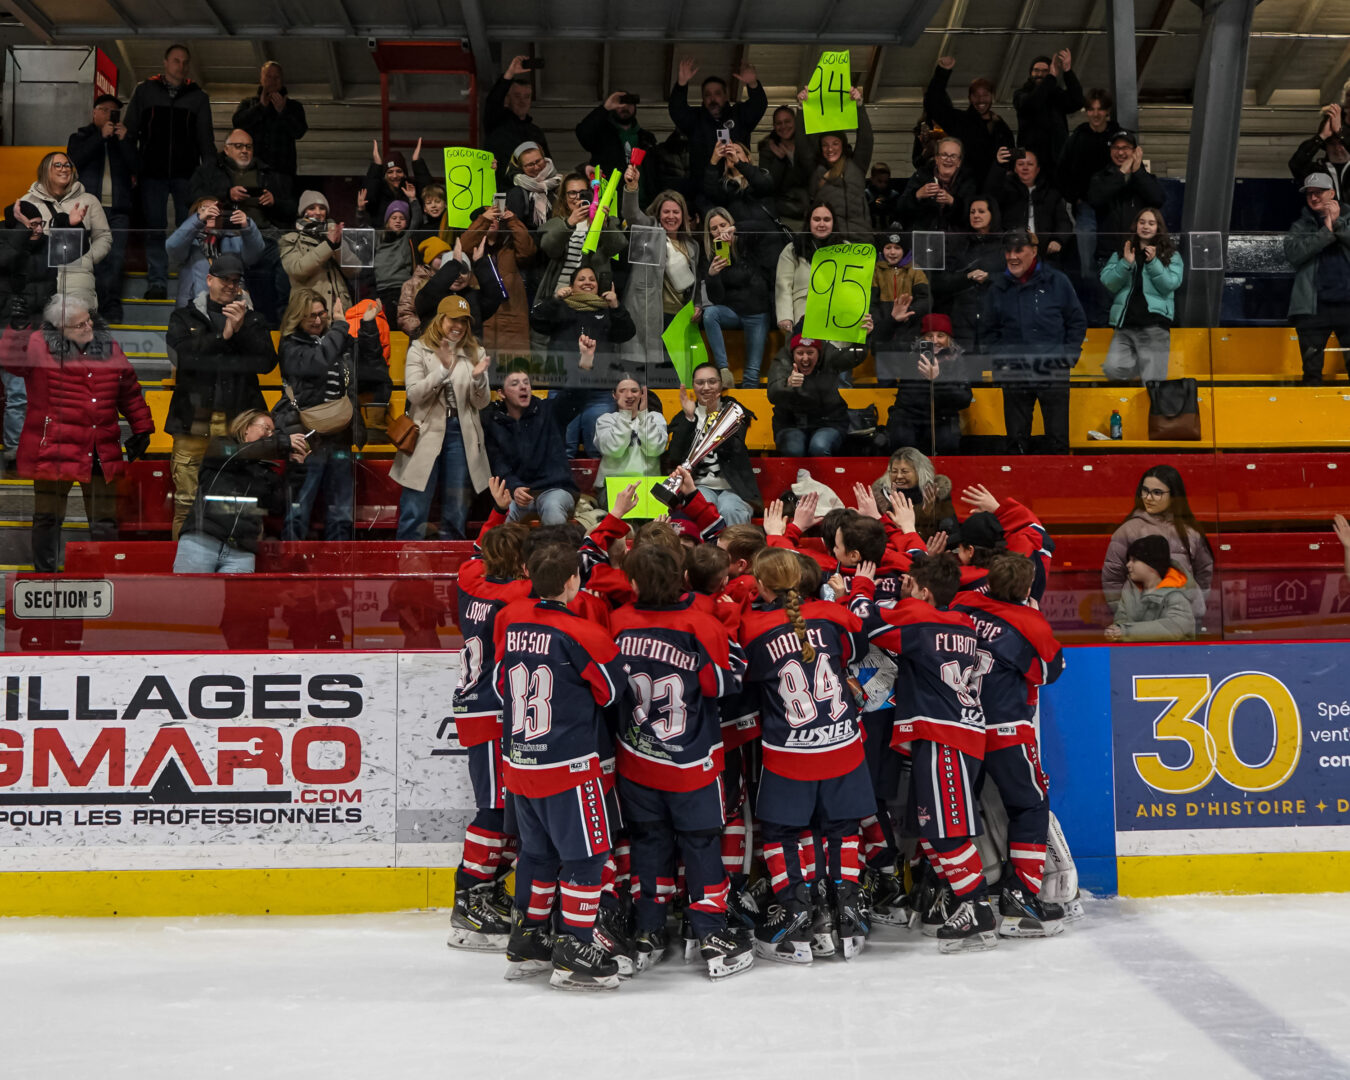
(1142, 277)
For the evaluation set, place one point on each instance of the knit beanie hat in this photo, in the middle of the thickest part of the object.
(312, 198)
(398, 206)
(1153, 551)
(432, 247)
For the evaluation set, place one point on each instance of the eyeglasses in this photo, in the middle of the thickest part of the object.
(576, 194)
(83, 324)
(705, 384)
(949, 157)
(1154, 493)
(62, 165)
(240, 145)
(267, 424)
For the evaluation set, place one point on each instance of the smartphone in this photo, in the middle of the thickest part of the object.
(724, 135)
(115, 116)
(630, 99)
(723, 250)
(533, 65)
(499, 202)
(254, 192)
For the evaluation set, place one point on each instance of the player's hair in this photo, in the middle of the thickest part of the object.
(1010, 577)
(830, 523)
(551, 567)
(570, 535)
(780, 571)
(655, 570)
(704, 566)
(742, 541)
(984, 557)
(657, 534)
(502, 547)
(940, 575)
(706, 364)
(812, 576)
(865, 536)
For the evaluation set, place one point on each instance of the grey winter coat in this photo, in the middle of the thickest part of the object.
(1163, 613)
(1303, 246)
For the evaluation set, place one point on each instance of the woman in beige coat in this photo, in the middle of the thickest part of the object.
(63, 203)
(446, 379)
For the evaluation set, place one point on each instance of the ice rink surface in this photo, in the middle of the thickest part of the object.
(1196, 987)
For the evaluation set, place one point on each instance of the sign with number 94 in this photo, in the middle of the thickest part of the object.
(840, 290)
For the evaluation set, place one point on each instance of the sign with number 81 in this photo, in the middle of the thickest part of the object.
(470, 182)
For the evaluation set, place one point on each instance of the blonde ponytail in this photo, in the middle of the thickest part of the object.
(779, 571)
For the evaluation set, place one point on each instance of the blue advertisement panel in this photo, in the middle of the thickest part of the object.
(1231, 749)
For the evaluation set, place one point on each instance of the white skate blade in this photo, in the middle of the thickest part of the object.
(901, 917)
(524, 969)
(627, 969)
(849, 947)
(822, 945)
(929, 929)
(691, 950)
(1073, 911)
(768, 950)
(566, 980)
(1010, 927)
(988, 939)
(648, 960)
(719, 968)
(476, 941)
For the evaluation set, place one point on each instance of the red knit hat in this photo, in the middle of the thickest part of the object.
(799, 342)
(937, 322)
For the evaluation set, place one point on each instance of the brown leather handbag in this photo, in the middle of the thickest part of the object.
(403, 433)
(1174, 410)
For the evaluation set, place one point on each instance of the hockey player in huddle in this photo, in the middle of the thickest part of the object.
(995, 527)
(1026, 656)
(556, 672)
(680, 661)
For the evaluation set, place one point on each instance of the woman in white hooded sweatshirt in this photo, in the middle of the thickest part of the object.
(62, 203)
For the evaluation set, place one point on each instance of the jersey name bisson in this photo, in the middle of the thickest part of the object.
(651, 648)
(786, 644)
(529, 641)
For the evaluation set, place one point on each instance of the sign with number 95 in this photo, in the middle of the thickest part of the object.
(840, 290)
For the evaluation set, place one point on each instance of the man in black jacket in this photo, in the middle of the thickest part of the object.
(524, 436)
(1325, 152)
(981, 130)
(715, 113)
(1120, 191)
(1043, 108)
(610, 133)
(106, 163)
(725, 477)
(219, 348)
(1028, 200)
(169, 121)
(1086, 153)
(274, 119)
(507, 121)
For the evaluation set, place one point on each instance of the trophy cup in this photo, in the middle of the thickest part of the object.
(717, 429)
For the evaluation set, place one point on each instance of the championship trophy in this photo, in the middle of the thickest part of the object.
(717, 429)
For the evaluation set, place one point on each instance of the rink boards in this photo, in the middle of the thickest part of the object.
(299, 783)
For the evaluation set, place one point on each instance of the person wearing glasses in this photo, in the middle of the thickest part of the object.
(937, 195)
(79, 382)
(63, 205)
(725, 477)
(562, 237)
(1162, 509)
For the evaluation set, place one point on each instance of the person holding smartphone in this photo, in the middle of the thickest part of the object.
(611, 132)
(107, 165)
(739, 294)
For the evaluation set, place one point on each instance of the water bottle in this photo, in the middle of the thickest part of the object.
(1116, 432)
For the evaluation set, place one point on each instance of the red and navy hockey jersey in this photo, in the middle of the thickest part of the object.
(556, 672)
(1026, 656)
(1023, 534)
(808, 717)
(680, 661)
(477, 708)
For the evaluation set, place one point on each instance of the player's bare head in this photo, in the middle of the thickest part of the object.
(829, 524)
(939, 575)
(860, 539)
(742, 543)
(1010, 578)
(657, 534)
(654, 570)
(503, 549)
(811, 575)
(553, 570)
(707, 567)
(779, 573)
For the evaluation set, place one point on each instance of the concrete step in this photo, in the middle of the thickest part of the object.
(151, 369)
(133, 286)
(139, 342)
(16, 504)
(16, 541)
(145, 312)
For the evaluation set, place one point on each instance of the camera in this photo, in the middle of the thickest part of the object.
(371, 43)
(629, 99)
(928, 349)
(724, 135)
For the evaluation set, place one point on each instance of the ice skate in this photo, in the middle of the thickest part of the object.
(925, 887)
(822, 922)
(725, 953)
(971, 928)
(1024, 916)
(785, 934)
(502, 901)
(690, 941)
(582, 965)
(612, 937)
(743, 908)
(939, 909)
(475, 923)
(890, 903)
(650, 948)
(851, 925)
(529, 950)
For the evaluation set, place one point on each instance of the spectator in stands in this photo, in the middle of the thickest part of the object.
(1086, 153)
(738, 292)
(632, 438)
(394, 258)
(1324, 152)
(981, 130)
(506, 116)
(319, 366)
(1036, 331)
(469, 274)
(169, 120)
(525, 446)
(610, 133)
(1027, 200)
(900, 300)
(810, 417)
(26, 284)
(507, 244)
(792, 276)
(311, 255)
(429, 195)
(564, 235)
(1155, 604)
(203, 236)
(219, 348)
(274, 120)
(101, 154)
(778, 157)
(911, 473)
(717, 112)
(731, 181)
(1143, 278)
(1161, 510)
(883, 201)
(239, 486)
(932, 390)
(1119, 191)
(1318, 246)
(725, 477)
(974, 261)
(936, 197)
(838, 176)
(1044, 106)
(386, 181)
(78, 381)
(62, 203)
(534, 186)
(447, 385)
(431, 254)
(679, 271)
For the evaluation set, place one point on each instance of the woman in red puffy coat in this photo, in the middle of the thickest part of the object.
(78, 381)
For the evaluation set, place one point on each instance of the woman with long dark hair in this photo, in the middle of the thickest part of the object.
(1162, 509)
(792, 281)
(974, 260)
(1143, 277)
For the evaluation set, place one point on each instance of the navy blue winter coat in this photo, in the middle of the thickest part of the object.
(1036, 329)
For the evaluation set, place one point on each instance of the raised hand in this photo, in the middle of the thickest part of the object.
(630, 177)
(748, 75)
(417, 150)
(688, 403)
(375, 152)
(362, 198)
(902, 511)
(688, 69)
(775, 523)
(613, 101)
(77, 213)
(1342, 528)
(625, 501)
(1065, 58)
(803, 94)
(937, 543)
(866, 501)
(479, 368)
(1128, 253)
(516, 66)
(866, 571)
(611, 297)
(501, 494)
(947, 62)
(586, 346)
(805, 514)
(928, 368)
(856, 94)
(687, 485)
(334, 233)
(978, 497)
(837, 585)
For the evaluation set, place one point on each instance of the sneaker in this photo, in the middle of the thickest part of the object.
(785, 934)
(475, 923)
(822, 920)
(156, 292)
(890, 902)
(728, 379)
(650, 948)
(725, 953)
(1024, 916)
(529, 950)
(972, 927)
(851, 925)
(938, 911)
(612, 937)
(582, 965)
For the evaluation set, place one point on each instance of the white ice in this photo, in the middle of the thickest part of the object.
(1197, 987)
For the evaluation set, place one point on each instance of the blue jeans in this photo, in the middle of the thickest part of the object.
(734, 509)
(155, 193)
(793, 442)
(581, 428)
(16, 407)
(327, 469)
(756, 328)
(553, 506)
(452, 469)
(202, 554)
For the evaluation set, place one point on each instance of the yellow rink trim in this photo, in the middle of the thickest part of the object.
(1268, 872)
(306, 891)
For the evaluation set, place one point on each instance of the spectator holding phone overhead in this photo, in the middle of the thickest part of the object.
(738, 292)
(311, 255)
(610, 133)
(1324, 152)
(106, 160)
(203, 236)
(506, 116)
(838, 173)
(1044, 106)
(717, 118)
(564, 235)
(1143, 278)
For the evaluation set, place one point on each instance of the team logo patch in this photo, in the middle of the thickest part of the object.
(924, 816)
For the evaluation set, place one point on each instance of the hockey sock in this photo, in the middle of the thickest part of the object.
(850, 866)
(733, 845)
(874, 840)
(1028, 862)
(809, 852)
(536, 882)
(707, 881)
(579, 889)
(782, 857)
(482, 855)
(623, 867)
(963, 869)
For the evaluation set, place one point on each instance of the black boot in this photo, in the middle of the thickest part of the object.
(851, 925)
(725, 953)
(1024, 915)
(785, 934)
(650, 948)
(971, 927)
